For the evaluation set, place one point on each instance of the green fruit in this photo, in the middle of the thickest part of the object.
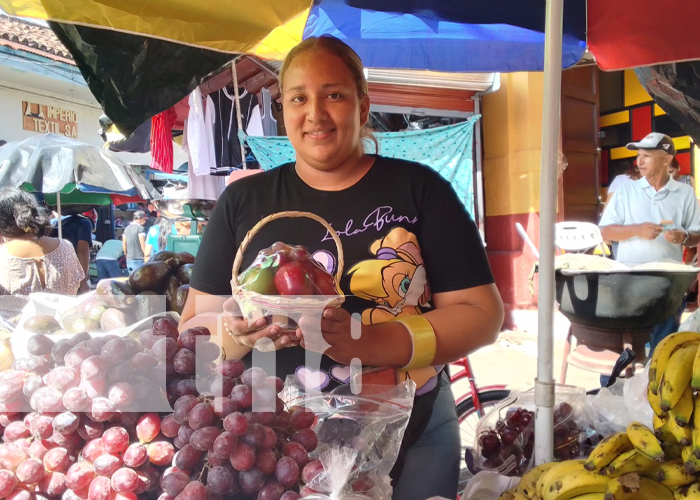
(153, 275)
(114, 319)
(78, 323)
(114, 293)
(260, 280)
(185, 273)
(42, 324)
(178, 302)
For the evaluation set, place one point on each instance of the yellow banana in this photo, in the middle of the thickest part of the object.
(677, 375)
(559, 469)
(663, 353)
(683, 409)
(575, 484)
(683, 435)
(662, 431)
(590, 496)
(608, 450)
(639, 488)
(507, 495)
(696, 428)
(695, 379)
(655, 402)
(632, 461)
(528, 483)
(691, 492)
(673, 475)
(671, 451)
(644, 440)
(691, 462)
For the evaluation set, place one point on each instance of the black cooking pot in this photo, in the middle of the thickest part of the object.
(621, 300)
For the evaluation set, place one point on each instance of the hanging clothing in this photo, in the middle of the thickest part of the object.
(269, 123)
(255, 125)
(226, 145)
(200, 133)
(162, 141)
(201, 187)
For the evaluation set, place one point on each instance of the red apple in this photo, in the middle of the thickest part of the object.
(324, 282)
(291, 279)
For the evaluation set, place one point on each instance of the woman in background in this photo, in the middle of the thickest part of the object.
(31, 261)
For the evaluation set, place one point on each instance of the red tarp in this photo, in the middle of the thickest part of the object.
(631, 33)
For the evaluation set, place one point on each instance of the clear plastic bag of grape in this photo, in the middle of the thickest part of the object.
(505, 437)
(359, 436)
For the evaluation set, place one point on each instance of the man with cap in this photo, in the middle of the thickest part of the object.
(134, 241)
(654, 217)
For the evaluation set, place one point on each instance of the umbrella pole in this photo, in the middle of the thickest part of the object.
(58, 211)
(544, 384)
(234, 76)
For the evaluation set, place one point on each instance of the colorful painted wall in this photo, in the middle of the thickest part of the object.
(512, 132)
(633, 116)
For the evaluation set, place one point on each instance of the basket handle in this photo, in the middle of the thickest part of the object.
(280, 215)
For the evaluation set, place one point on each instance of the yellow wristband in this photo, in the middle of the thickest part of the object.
(423, 340)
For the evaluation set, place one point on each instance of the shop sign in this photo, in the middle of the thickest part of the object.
(49, 119)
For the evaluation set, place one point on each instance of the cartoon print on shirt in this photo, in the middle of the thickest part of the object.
(396, 281)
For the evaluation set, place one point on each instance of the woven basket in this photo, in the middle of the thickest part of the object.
(282, 310)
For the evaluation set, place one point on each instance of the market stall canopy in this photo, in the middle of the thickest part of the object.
(440, 35)
(83, 174)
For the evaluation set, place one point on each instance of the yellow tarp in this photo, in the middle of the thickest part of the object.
(267, 28)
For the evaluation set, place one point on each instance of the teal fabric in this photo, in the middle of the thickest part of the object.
(449, 150)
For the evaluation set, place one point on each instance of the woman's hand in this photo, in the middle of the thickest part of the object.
(247, 335)
(336, 334)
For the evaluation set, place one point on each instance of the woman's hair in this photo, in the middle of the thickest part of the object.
(349, 57)
(21, 216)
(675, 164)
(165, 227)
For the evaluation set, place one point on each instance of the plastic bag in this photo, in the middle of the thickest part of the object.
(359, 437)
(692, 323)
(506, 435)
(488, 485)
(283, 284)
(612, 410)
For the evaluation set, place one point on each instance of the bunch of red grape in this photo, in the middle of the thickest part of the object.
(71, 427)
(509, 445)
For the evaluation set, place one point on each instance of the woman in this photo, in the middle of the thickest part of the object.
(410, 248)
(31, 261)
(630, 175)
(153, 240)
(674, 169)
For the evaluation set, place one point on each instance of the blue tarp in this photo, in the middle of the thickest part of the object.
(448, 150)
(447, 35)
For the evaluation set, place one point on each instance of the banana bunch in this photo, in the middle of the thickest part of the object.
(630, 465)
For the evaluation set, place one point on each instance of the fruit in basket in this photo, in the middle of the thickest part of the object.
(292, 279)
(260, 280)
(152, 275)
(178, 302)
(114, 319)
(77, 323)
(184, 273)
(170, 258)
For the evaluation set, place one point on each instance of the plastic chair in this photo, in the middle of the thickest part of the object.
(578, 237)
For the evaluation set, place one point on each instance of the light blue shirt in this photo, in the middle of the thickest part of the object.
(638, 202)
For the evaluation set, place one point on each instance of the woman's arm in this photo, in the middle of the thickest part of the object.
(463, 321)
(147, 252)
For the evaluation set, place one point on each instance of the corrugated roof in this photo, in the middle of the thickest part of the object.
(24, 35)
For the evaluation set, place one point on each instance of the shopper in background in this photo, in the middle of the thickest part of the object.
(675, 170)
(134, 241)
(30, 260)
(107, 259)
(152, 236)
(630, 175)
(77, 229)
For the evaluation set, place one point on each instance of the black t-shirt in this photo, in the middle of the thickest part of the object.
(405, 236)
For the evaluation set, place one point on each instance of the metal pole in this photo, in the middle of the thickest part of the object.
(234, 76)
(544, 384)
(60, 222)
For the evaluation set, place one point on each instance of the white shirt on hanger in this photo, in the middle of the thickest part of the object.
(200, 133)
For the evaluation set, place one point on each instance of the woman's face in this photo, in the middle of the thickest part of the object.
(675, 172)
(323, 113)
